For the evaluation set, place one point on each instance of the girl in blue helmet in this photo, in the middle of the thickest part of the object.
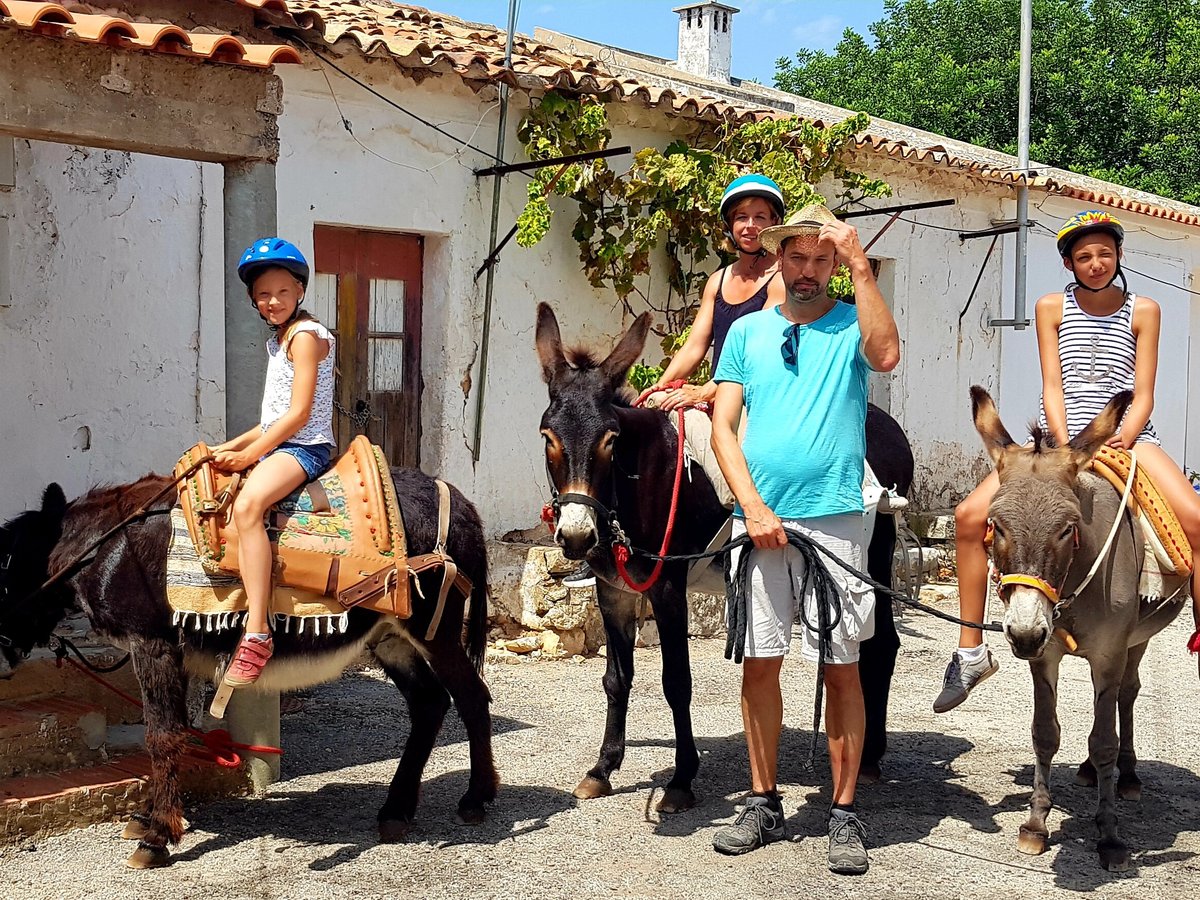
(750, 204)
(292, 443)
(1095, 338)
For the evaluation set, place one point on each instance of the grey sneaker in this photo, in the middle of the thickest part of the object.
(759, 823)
(847, 853)
(583, 576)
(961, 679)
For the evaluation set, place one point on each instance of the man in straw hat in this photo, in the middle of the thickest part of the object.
(801, 371)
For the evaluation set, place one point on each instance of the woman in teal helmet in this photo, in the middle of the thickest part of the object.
(750, 204)
(293, 442)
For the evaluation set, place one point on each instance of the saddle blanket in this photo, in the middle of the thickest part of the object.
(205, 600)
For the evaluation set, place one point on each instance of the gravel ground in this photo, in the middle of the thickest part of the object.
(942, 824)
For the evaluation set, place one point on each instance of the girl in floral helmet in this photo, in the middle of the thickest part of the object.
(1095, 338)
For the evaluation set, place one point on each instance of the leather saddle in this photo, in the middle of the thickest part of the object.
(341, 536)
(1160, 526)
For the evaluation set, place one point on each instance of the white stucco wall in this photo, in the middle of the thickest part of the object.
(326, 177)
(107, 350)
(115, 265)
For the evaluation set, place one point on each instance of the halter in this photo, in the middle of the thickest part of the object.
(1053, 594)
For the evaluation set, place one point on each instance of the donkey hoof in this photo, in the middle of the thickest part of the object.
(676, 800)
(145, 857)
(1129, 788)
(135, 830)
(869, 774)
(471, 815)
(592, 787)
(1086, 774)
(1114, 856)
(394, 831)
(1031, 842)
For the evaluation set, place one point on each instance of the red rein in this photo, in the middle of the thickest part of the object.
(621, 551)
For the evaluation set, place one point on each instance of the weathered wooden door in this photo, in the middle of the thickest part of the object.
(368, 285)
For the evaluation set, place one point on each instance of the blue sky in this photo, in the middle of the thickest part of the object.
(764, 30)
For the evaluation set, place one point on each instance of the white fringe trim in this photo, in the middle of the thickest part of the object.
(225, 621)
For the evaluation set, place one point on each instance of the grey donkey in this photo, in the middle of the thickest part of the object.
(1051, 519)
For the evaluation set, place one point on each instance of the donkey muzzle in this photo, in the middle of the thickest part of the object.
(1027, 621)
(577, 532)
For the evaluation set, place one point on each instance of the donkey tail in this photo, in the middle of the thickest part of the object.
(477, 619)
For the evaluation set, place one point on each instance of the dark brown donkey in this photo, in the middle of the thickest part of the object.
(599, 446)
(1051, 520)
(123, 594)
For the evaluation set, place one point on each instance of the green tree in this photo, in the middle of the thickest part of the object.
(1115, 83)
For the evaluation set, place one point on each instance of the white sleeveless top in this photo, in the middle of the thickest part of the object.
(1097, 354)
(277, 392)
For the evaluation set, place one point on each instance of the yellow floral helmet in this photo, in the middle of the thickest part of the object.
(1088, 222)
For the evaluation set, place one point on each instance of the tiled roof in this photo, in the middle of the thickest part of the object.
(422, 41)
(55, 20)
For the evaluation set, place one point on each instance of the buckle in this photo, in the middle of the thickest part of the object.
(6, 563)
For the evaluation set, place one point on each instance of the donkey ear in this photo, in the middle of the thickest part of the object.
(628, 349)
(54, 501)
(996, 439)
(1100, 429)
(549, 343)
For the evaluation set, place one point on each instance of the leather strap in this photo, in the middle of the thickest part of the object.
(449, 567)
(319, 498)
(1034, 582)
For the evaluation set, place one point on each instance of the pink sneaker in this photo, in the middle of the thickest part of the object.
(248, 662)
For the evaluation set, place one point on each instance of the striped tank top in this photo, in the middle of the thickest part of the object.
(1097, 354)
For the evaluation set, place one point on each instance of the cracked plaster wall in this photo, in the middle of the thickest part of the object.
(109, 369)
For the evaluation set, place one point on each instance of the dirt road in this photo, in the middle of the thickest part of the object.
(942, 825)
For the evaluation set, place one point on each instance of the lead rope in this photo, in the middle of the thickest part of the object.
(1112, 534)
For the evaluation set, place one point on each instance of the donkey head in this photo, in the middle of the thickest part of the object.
(580, 425)
(25, 546)
(1035, 515)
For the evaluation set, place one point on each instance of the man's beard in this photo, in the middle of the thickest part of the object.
(804, 296)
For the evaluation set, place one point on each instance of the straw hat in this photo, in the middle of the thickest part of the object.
(806, 221)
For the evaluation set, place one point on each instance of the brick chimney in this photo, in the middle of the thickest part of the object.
(705, 39)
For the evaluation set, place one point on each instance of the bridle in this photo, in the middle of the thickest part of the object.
(1052, 593)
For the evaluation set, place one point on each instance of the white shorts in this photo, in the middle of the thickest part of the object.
(775, 579)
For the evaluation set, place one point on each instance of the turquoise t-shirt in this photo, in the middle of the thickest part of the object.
(805, 442)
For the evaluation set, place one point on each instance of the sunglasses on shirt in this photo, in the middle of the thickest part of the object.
(791, 342)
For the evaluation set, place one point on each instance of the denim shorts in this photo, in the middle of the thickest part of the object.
(313, 458)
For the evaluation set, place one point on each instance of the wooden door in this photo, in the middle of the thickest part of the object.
(368, 283)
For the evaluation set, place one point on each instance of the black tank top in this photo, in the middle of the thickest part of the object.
(725, 314)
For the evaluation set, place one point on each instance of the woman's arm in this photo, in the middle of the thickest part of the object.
(1047, 317)
(1147, 322)
(306, 351)
(687, 358)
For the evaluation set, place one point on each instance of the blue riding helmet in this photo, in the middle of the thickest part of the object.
(272, 251)
(752, 186)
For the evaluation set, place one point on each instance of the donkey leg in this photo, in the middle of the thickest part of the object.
(1046, 735)
(449, 662)
(159, 667)
(1102, 750)
(1129, 786)
(670, 612)
(427, 705)
(618, 610)
(877, 661)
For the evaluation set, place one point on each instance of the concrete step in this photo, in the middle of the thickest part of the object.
(36, 806)
(50, 733)
(40, 676)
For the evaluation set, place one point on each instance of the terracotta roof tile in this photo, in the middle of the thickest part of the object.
(419, 39)
(55, 20)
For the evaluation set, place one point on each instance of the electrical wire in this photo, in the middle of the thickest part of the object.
(390, 102)
(456, 156)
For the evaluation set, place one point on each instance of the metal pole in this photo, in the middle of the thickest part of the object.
(497, 181)
(1023, 164)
